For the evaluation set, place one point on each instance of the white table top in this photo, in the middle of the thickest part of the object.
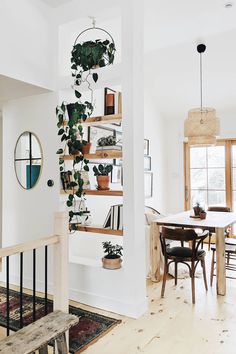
(213, 219)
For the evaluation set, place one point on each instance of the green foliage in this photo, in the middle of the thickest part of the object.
(112, 251)
(92, 54)
(102, 170)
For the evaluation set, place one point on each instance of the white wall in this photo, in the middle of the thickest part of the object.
(28, 40)
(28, 214)
(154, 131)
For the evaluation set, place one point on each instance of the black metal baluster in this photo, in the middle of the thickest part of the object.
(8, 296)
(46, 282)
(34, 284)
(21, 289)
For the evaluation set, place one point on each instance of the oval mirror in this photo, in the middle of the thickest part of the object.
(28, 160)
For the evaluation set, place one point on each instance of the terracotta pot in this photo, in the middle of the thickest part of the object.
(111, 263)
(103, 182)
(203, 215)
(86, 148)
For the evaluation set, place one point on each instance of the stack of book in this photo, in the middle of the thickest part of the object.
(109, 147)
(114, 219)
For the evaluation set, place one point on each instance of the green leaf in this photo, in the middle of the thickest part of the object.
(59, 151)
(61, 131)
(77, 94)
(69, 203)
(95, 77)
(86, 168)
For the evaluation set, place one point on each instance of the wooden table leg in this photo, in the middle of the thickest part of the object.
(220, 261)
(155, 252)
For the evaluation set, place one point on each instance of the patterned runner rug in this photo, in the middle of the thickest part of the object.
(90, 328)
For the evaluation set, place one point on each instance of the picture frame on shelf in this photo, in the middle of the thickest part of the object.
(112, 103)
(147, 163)
(148, 184)
(146, 147)
(117, 175)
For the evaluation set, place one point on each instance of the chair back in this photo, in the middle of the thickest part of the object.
(183, 235)
(219, 209)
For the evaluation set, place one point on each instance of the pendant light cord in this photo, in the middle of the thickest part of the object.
(201, 121)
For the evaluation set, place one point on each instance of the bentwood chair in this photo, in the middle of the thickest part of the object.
(186, 255)
(212, 230)
(230, 249)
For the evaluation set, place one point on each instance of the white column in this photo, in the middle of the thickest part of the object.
(133, 141)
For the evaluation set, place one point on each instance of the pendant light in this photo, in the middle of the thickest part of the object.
(201, 127)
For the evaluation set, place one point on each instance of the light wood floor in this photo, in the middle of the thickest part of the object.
(174, 325)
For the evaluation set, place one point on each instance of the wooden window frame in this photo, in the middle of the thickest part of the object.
(228, 143)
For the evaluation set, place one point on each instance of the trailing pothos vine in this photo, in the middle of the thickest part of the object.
(85, 57)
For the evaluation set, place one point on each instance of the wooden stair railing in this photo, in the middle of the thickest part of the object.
(59, 242)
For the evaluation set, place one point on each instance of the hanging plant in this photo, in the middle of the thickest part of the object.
(89, 55)
(85, 57)
(72, 137)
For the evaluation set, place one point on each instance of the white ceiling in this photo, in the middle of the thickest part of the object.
(12, 89)
(55, 3)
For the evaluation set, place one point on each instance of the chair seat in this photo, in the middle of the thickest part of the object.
(183, 252)
(228, 248)
(230, 241)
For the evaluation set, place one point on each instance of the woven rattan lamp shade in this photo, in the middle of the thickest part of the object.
(201, 127)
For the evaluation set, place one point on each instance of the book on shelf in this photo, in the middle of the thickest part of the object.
(109, 147)
(114, 219)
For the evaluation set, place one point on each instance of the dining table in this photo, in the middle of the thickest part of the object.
(220, 221)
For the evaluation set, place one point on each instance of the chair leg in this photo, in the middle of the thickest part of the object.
(193, 282)
(212, 267)
(176, 273)
(209, 242)
(204, 273)
(164, 280)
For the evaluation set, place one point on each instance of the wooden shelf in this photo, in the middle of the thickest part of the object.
(112, 118)
(105, 154)
(99, 230)
(110, 192)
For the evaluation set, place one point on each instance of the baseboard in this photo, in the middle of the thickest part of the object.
(134, 309)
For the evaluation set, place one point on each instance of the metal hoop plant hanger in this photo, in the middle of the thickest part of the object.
(94, 28)
(87, 62)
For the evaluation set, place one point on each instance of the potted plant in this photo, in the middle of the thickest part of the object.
(108, 142)
(86, 147)
(202, 214)
(102, 174)
(112, 258)
(197, 209)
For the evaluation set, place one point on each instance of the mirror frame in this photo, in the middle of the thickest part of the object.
(41, 151)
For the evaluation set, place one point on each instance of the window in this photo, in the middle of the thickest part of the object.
(210, 175)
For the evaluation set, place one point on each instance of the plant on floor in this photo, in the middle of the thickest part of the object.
(113, 254)
(102, 174)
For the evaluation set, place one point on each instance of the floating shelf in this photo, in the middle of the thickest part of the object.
(99, 230)
(104, 154)
(110, 192)
(111, 118)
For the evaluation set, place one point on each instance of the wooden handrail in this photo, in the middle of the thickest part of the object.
(28, 246)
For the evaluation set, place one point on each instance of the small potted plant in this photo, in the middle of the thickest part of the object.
(108, 143)
(102, 174)
(113, 254)
(197, 209)
(203, 214)
(86, 146)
